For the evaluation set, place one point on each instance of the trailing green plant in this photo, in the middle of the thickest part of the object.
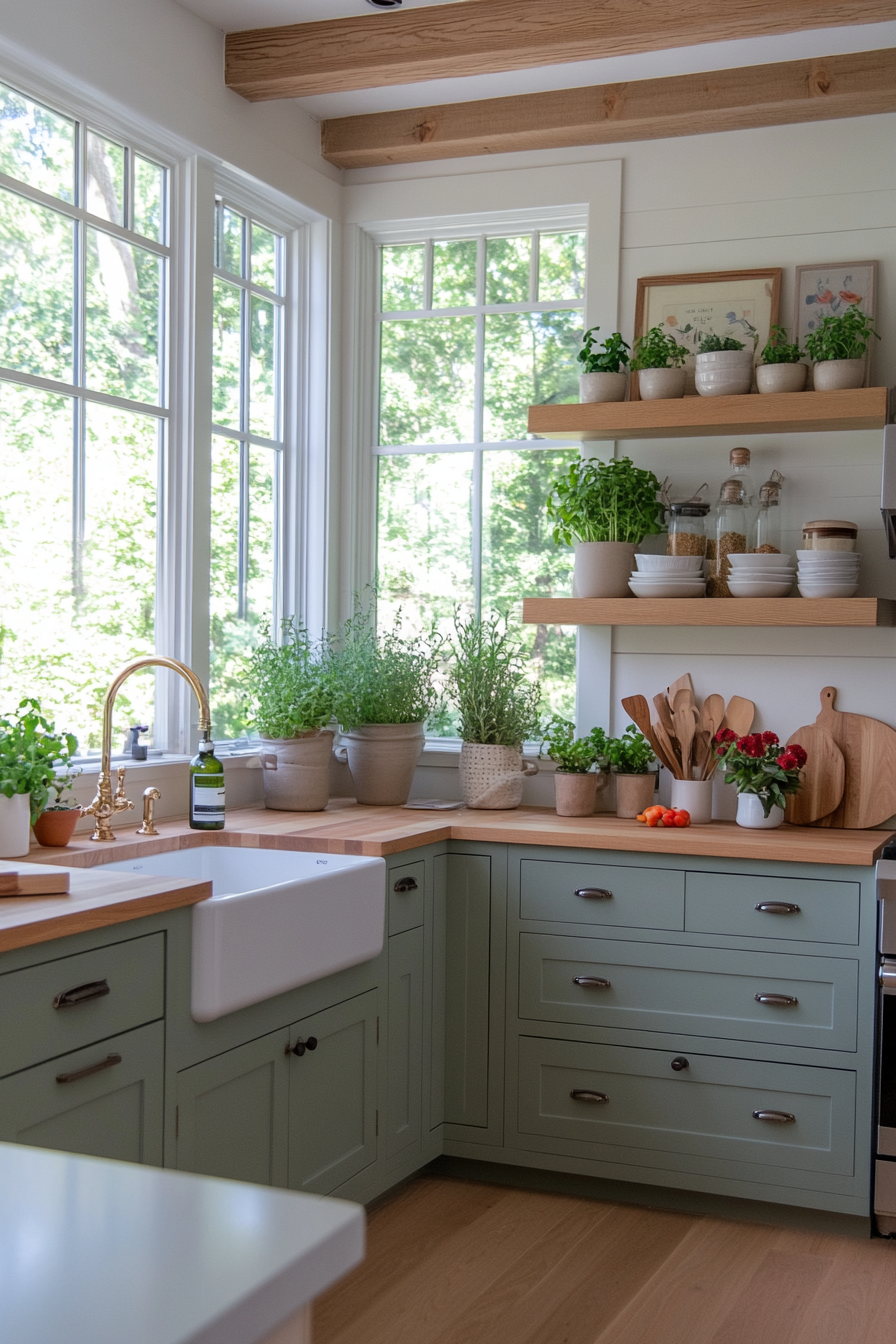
(610, 357)
(290, 683)
(709, 344)
(573, 755)
(658, 350)
(30, 747)
(605, 501)
(843, 337)
(630, 754)
(778, 350)
(490, 683)
(385, 676)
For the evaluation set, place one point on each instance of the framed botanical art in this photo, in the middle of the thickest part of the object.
(742, 304)
(827, 291)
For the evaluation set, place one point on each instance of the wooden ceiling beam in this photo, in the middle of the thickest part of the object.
(484, 36)
(650, 109)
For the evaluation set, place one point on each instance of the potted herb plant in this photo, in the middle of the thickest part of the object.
(605, 509)
(292, 702)
(838, 346)
(764, 773)
(56, 824)
(630, 757)
(576, 781)
(384, 689)
(659, 362)
(603, 376)
(724, 367)
(498, 708)
(780, 369)
(29, 749)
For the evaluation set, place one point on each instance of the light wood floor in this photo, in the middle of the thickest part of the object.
(453, 1262)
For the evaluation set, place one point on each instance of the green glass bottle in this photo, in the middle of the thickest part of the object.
(206, 789)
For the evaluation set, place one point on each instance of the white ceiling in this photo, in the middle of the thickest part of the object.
(234, 15)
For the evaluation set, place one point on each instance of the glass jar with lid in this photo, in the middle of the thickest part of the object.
(829, 534)
(687, 529)
(767, 527)
(730, 537)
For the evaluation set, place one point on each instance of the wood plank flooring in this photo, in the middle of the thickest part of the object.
(455, 1262)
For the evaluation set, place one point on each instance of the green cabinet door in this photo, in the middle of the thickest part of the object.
(232, 1112)
(104, 1100)
(467, 923)
(332, 1095)
(404, 1041)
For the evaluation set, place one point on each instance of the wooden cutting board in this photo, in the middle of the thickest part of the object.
(869, 752)
(33, 883)
(824, 777)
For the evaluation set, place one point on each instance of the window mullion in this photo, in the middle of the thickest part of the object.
(476, 530)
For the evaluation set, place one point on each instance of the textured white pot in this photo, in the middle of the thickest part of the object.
(836, 375)
(724, 373)
(602, 386)
(575, 795)
(15, 825)
(634, 793)
(782, 377)
(695, 796)
(492, 777)
(661, 384)
(297, 771)
(603, 568)
(382, 758)
(750, 813)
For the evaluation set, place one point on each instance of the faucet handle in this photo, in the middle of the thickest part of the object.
(120, 802)
(150, 798)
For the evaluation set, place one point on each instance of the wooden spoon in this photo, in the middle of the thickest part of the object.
(739, 718)
(637, 709)
(669, 746)
(712, 716)
(664, 714)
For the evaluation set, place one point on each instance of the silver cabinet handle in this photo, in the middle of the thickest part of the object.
(777, 908)
(96, 989)
(777, 1000)
(584, 1094)
(776, 1117)
(594, 893)
(109, 1062)
(591, 981)
(887, 974)
(405, 884)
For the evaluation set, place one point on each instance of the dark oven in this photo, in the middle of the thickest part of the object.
(885, 1160)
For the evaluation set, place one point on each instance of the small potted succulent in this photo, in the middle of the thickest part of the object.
(605, 509)
(30, 750)
(603, 376)
(659, 362)
(764, 772)
(838, 345)
(630, 758)
(780, 369)
(55, 826)
(579, 762)
(724, 367)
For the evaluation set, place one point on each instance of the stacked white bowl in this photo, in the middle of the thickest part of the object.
(668, 576)
(828, 573)
(761, 575)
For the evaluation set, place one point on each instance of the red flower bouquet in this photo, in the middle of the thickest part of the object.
(759, 764)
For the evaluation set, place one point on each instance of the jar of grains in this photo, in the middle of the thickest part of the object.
(687, 530)
(730, 538)
(767, 527)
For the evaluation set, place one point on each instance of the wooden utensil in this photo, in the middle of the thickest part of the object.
(702, 751)
(684, 683)
(823, 777)
(48, 883)
(739, 715)
(712, 716)
(685, 715)
(638, 710)
(869, 752)
(664, 714)
(670, 749)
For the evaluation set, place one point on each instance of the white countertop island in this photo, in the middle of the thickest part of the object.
(98, 1252)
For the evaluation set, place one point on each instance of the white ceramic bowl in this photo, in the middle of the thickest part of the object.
(828, 589)
(828, 555)
(762, 570)
(671, 588)
(757, 588)
(789, 579)
(680, 576)
(762, 559)
(828, 572)
(648, 564)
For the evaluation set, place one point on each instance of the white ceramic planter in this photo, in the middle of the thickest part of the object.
(603, 568)
(836, 375)
(695, 796)
(602, 386)
(661, 384)
(297, 771)
(382, 758)
(634, 793)
(491, 777)
(15, 825)
(782, 377)
(724, 373)
(750, 813)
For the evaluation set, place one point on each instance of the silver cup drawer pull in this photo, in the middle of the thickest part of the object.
(775, 1117)
(585, 1094)
(594, 893)
(777, 1000)
(96, 989)
(591, 981)
(777, 908)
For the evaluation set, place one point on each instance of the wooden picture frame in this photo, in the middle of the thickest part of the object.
(828, 290)
(743, 304)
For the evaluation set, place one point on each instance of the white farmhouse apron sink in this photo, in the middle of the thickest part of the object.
(275, 919)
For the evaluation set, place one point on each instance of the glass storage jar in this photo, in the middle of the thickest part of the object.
(767, 527)
(687, 529)
(829, 534)
(730, 538)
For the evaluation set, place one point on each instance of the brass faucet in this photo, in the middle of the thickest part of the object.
(105, 805)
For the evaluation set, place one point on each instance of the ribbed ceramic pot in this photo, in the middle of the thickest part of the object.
(837, 375)
(603, 568)
(55, 829)
(634, 793)
(661, 384)
(296, 771)
(382, 758)
(695, 797)
(782, 377)
(575, 795)
(751, 814)
(724, 373)
(492, 777)
(15, 825)
(602, 386)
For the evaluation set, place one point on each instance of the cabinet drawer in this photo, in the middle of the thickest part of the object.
(640, 898)
(406, 896)
(33, 1029)
(691, 991)
(724, 903)
(703, 1111)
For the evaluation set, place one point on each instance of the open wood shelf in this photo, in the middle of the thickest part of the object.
(787, 611)
(699, 417)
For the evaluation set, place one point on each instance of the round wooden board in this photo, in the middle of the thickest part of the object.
(824, 777)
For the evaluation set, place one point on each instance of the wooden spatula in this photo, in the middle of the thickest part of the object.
(670, 749)
(739, 715)
(637, 709)
(685, 715)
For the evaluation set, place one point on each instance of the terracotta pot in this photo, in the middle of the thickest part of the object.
(724, 373)
(602, 386)
(782, 377)
(836, 375)
(661, 384)
(15, 825)
(492, 777)
(297, 771)
(55, 829)
(382, 758)
(576, 794)
(751, 814)
(603, 568)
(634, 793)
(695, 796)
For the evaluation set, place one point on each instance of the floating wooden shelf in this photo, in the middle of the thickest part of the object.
(788, 611)
(699, 417)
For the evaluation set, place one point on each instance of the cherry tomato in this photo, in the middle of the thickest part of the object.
(682, 818)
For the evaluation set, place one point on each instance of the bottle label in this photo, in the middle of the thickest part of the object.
(207, 798)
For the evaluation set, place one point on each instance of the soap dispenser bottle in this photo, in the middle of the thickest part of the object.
(206, 789)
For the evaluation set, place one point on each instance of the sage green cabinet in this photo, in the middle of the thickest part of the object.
(467, 947)
(404, 1042)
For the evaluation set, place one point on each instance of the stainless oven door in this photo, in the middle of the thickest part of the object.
(886, 1117)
